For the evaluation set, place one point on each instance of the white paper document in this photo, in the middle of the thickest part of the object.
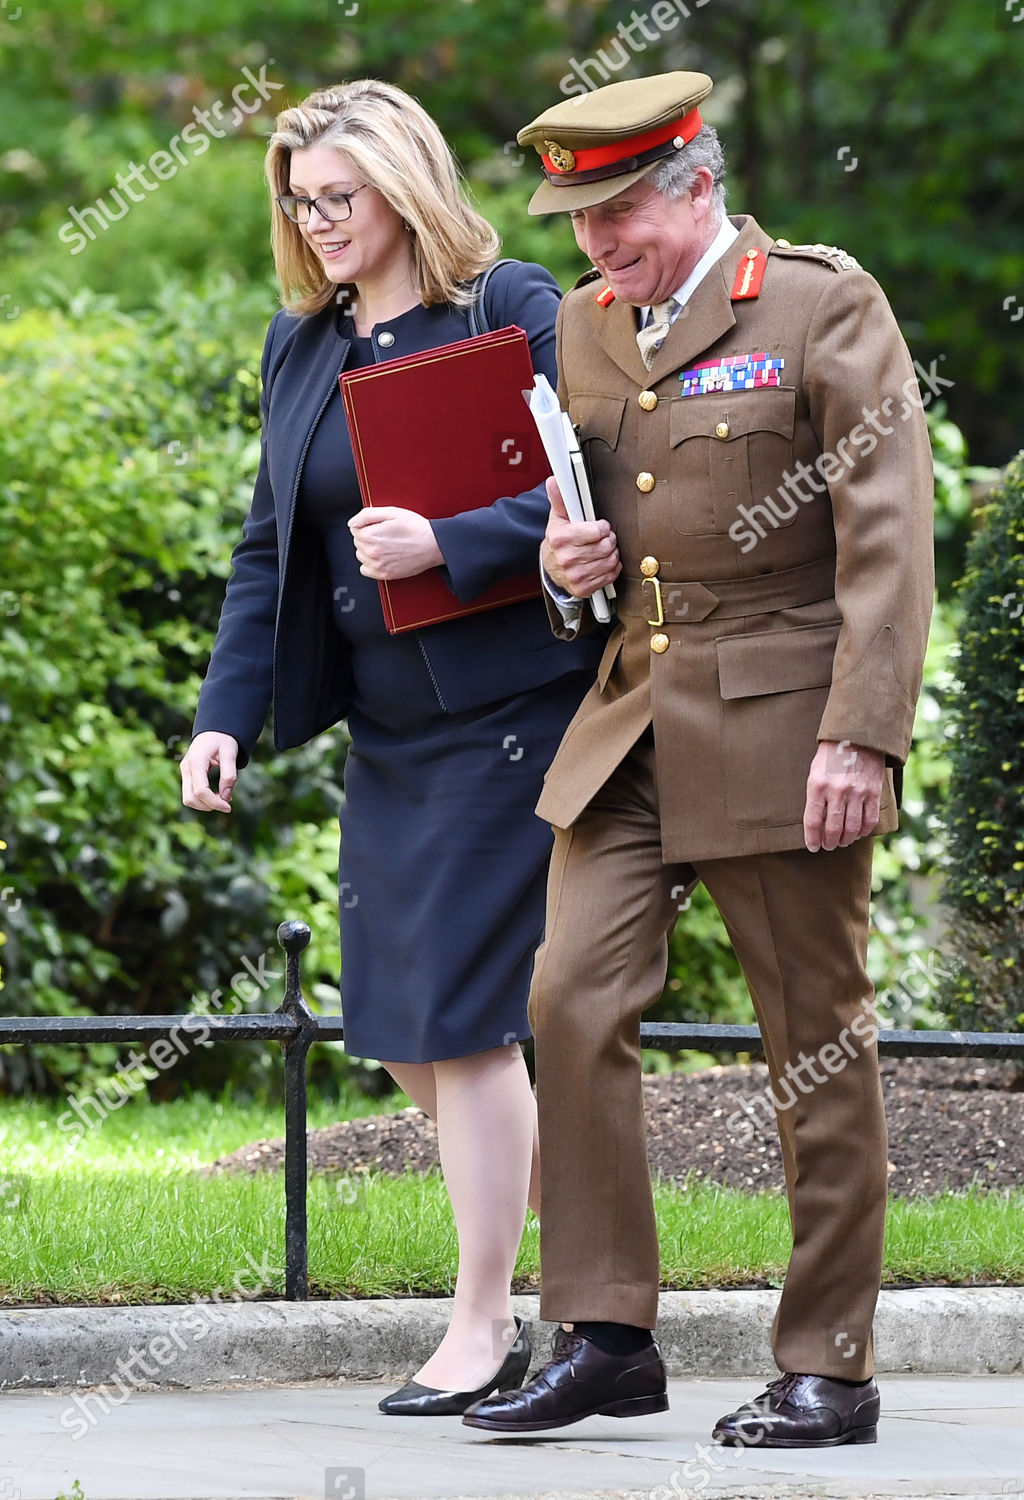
(566, 460)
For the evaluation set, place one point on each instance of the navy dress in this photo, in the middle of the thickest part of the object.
(443, 860)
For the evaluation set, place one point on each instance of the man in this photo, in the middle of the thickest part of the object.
(761, 466)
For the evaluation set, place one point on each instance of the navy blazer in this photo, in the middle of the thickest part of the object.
(278, 641)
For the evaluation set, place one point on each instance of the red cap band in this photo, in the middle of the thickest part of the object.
(604, 156)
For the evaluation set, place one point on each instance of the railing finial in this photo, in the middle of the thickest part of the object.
(293, 936)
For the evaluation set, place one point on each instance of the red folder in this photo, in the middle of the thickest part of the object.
(440, 433)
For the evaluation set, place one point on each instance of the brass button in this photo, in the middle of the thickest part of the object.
(385, 339)
(645, 482)
(648, 400)
(784, 243)
(722, 430)
(659, 643)
(649, 566)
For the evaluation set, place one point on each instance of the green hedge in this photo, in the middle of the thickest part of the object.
(985, 813)
(115, 557)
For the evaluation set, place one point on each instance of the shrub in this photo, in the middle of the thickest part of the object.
(984, 817)
(115, 557)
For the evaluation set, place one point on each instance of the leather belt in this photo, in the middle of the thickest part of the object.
(660, 601)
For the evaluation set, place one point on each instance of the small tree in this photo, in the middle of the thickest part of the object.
(985, 811)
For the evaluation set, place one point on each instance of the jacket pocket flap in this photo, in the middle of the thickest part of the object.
(598, 417)
(770, 409)
(776, 661)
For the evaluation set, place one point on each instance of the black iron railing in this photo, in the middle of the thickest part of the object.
(296, 1027)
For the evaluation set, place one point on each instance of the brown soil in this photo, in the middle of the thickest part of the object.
(951, 1123)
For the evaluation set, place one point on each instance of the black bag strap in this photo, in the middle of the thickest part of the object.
(477, 310)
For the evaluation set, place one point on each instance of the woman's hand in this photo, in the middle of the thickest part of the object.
(394, 543)
(209, 749)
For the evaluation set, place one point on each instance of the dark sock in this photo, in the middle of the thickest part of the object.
(839, 1381)
(616, 1338)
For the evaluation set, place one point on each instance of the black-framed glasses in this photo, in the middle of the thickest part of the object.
(332, 206)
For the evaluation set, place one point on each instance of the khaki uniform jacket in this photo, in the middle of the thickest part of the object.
(796, 600)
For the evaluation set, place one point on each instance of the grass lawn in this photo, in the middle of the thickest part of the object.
(124, 1216)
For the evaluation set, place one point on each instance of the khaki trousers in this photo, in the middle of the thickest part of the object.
(798, 923)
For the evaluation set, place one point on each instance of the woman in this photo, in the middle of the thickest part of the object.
(443, 861)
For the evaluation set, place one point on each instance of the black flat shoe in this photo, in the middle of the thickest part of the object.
(415, 1400)
(803, 1411)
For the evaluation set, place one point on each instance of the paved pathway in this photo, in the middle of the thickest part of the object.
(939, 1437)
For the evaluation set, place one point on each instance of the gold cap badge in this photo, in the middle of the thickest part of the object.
(562, 159)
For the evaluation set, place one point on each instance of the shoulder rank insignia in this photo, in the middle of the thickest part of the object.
(749, 275)
(588, 276)
(830, 255)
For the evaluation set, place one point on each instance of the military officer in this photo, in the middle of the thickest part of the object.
(761, 467)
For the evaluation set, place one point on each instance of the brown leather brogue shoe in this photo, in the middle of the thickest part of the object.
(803, 1411)
(580, 1381)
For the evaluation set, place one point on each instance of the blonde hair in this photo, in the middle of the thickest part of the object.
(397, 148)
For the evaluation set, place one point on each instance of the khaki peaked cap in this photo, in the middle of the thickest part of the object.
(594, 145)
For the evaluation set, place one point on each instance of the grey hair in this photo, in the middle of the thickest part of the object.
(675, 175)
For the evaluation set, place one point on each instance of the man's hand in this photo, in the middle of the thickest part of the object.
(578, 556)
(209, 749)
(394, 543)
(844, 793)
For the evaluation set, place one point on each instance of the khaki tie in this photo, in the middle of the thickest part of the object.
(651, 338)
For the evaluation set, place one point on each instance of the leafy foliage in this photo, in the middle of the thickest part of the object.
(985, 814)
(130, 447)
(890, 127)
(906, 955)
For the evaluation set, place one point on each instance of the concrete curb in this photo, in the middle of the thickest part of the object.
(948, 1331)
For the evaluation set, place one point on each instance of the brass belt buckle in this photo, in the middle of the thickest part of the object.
(657, 599)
